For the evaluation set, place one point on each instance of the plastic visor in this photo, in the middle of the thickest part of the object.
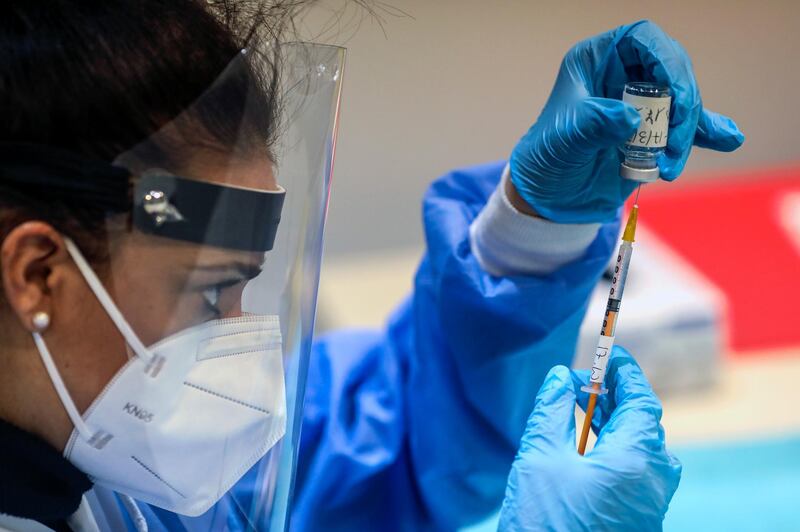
(224, 225)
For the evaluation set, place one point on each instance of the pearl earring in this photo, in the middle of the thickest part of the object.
(41, 320)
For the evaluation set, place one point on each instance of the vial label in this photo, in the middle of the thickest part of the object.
(601, 357)
(654, 112)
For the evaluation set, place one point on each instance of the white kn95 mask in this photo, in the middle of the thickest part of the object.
(185, 418)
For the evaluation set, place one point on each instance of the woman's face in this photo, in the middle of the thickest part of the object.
(160, 285)
(163, 285)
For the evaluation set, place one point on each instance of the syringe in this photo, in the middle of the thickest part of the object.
(606, 341)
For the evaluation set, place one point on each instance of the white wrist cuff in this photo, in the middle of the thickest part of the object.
(508, 242)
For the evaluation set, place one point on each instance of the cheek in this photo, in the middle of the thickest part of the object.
(89, 349)
(149, 292)
(158, 304)
(154, 308)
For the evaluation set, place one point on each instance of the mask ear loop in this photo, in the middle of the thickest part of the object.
(101, 438)
(108, 304)
(61, 389)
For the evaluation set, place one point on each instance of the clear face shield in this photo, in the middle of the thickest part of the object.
(211, 281)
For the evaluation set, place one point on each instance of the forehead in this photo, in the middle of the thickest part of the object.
(185, 148)
(247, 170)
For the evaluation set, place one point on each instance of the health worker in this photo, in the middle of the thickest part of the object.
(164, 175)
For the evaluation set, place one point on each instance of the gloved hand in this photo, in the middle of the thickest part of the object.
(624, 483)
(567, 165)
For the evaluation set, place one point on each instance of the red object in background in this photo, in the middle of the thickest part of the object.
(741, 231)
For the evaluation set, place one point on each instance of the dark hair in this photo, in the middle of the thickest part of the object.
(93, 78)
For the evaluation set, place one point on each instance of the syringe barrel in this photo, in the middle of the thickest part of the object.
(620, 273)
(606, 340)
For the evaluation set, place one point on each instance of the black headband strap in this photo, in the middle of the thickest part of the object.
(207, 213)
(163, 205)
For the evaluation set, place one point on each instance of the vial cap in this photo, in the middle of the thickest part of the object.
(644, 175)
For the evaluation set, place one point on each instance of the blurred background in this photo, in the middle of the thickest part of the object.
(711, 308)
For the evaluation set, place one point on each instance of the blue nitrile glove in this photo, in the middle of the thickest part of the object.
(567, 165)
(624, 483)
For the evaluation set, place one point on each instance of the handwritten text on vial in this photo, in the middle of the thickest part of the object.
(654, 114)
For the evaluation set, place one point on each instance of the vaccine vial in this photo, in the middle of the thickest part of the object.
(642, 149)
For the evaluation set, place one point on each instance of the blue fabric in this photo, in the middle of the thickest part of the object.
(625, 483)
(415, 427)
(567, 165)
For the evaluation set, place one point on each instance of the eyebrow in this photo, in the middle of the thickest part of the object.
(247, 270)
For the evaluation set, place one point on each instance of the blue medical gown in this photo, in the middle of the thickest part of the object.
(415, 427)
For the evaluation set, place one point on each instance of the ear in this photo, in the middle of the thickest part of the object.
(33, 262)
